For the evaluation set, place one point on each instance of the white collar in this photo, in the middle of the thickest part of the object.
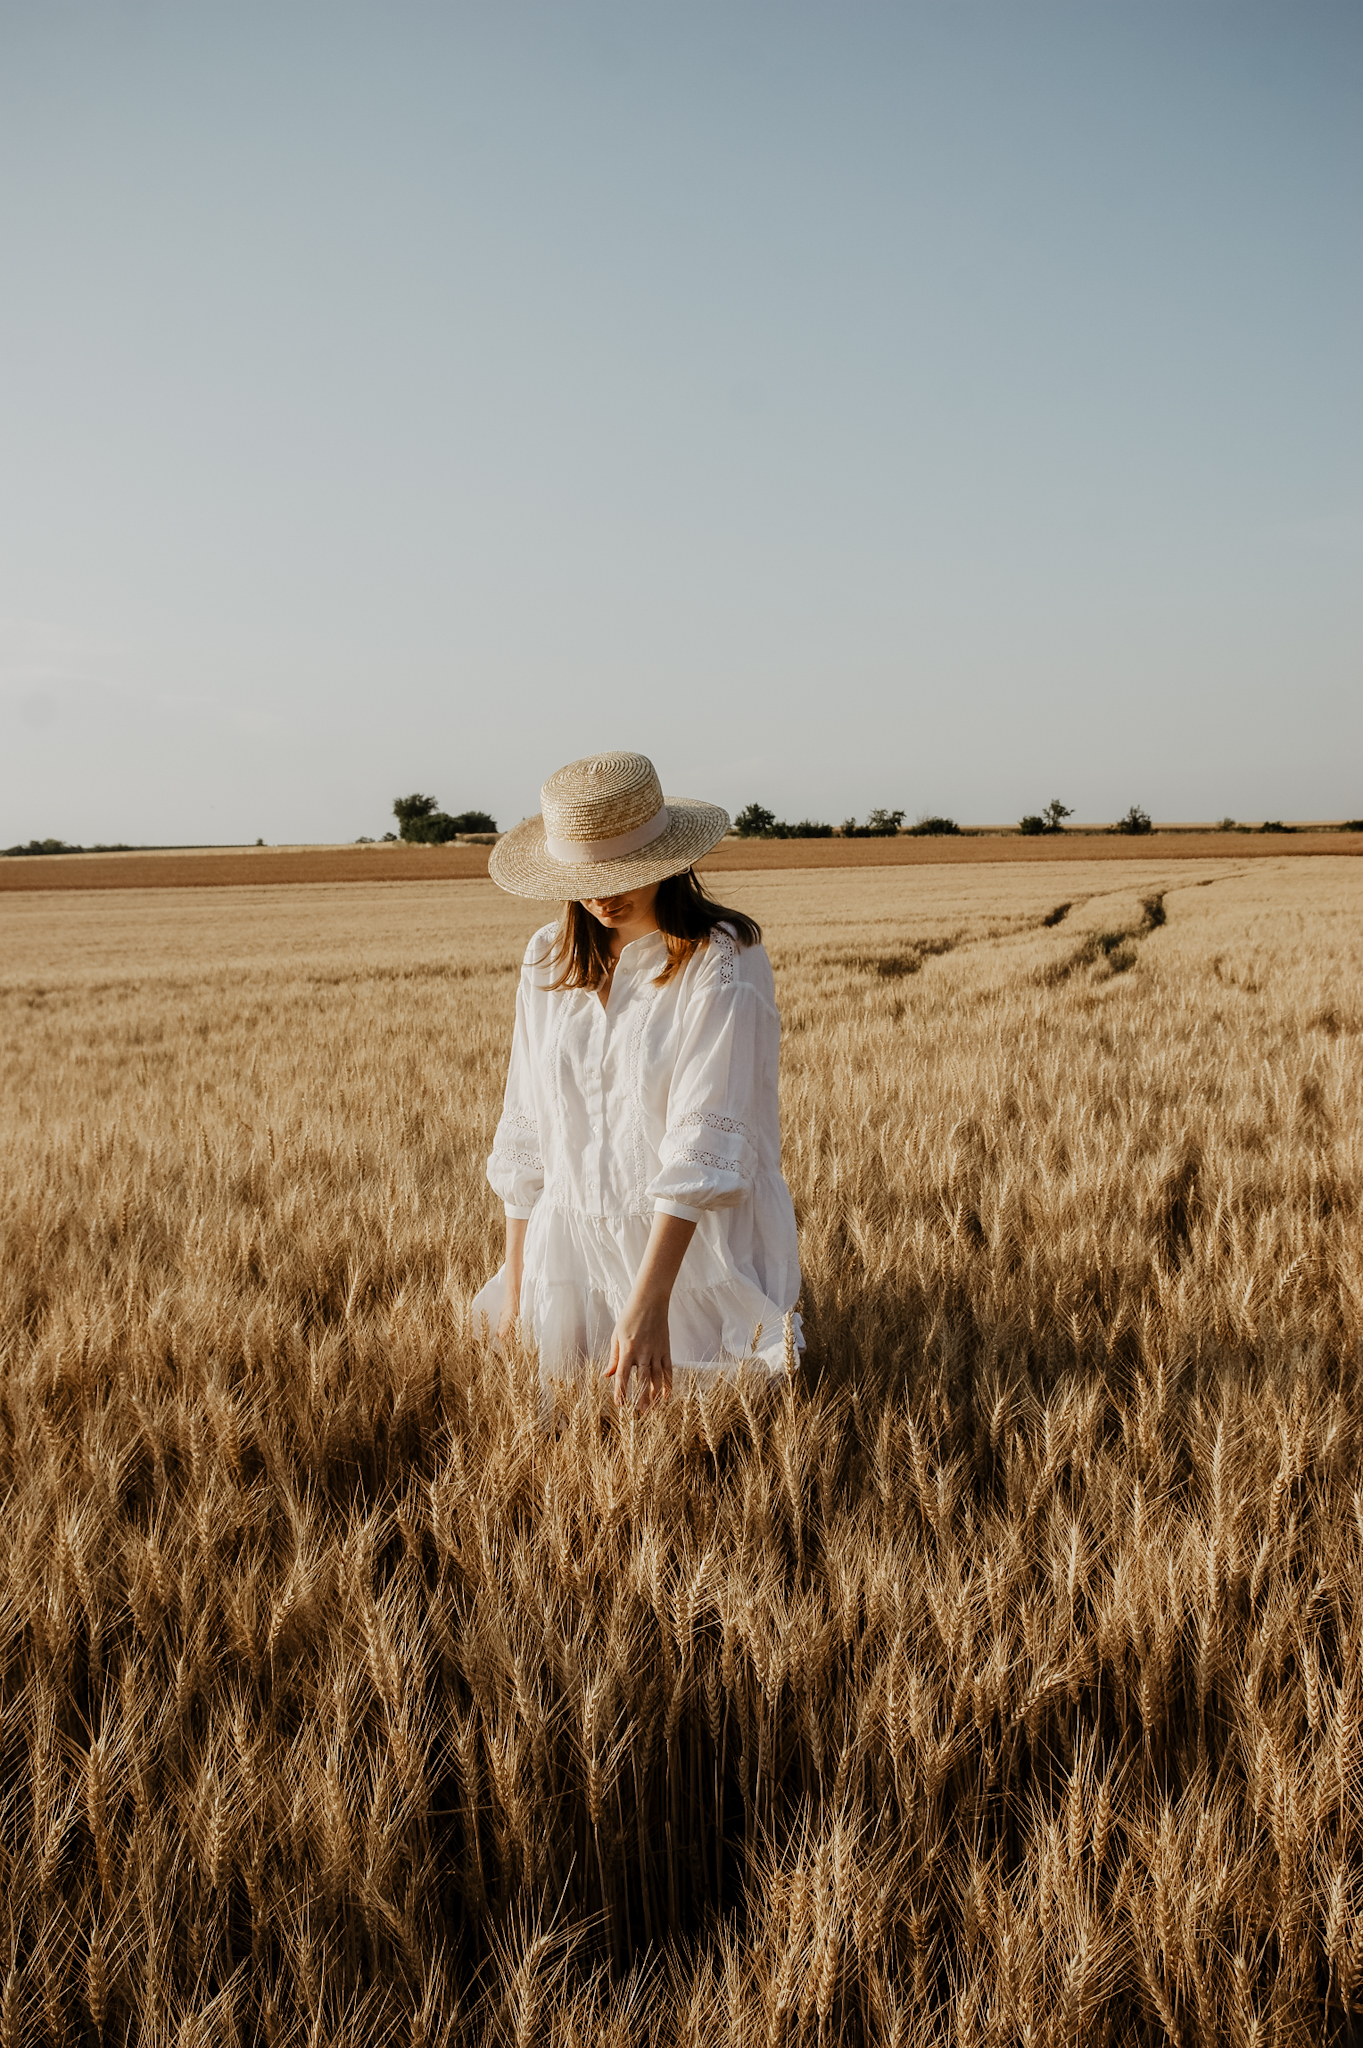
(638, 945)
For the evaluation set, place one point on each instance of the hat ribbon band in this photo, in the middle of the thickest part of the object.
(571, 851)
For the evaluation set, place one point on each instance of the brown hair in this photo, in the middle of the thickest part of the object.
(686, 914)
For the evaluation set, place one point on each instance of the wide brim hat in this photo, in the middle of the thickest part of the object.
(604, 827)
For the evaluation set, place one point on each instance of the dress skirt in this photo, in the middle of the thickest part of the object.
(579, 1271)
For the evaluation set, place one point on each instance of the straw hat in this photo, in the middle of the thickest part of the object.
(604, 827)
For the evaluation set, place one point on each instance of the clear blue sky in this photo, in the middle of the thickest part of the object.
(947, 406)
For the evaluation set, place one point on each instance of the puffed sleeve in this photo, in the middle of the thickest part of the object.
(708, 1154)
(516, 1164)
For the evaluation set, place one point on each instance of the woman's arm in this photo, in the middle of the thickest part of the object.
(516, 1167)
(515, 1267)
(640, 1342)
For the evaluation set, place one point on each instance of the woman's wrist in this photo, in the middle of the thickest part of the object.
(655, 1295)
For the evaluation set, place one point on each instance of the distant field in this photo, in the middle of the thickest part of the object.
(1001, 1681)
(241, 867)
(237, 867)
(1010, 847)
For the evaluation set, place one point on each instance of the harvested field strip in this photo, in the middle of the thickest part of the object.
(252, 867)
(1012, 850)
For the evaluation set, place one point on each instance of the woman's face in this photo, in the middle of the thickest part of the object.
(630, 910)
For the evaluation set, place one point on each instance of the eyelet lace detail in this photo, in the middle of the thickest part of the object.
(722, 941)
(710, 1120)
(687, 1157)
(512, 1155)
(509, 1146)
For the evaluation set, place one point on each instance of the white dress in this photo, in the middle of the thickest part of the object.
(662, 1099)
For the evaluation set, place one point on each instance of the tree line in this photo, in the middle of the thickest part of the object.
(421, 822)
(755, 821)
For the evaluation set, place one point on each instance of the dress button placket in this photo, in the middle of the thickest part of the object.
(598, 1120)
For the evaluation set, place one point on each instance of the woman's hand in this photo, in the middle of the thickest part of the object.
(640, 1344)
(513, 1268)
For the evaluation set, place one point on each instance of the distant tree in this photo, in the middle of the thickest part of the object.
(1226, 825)
(1276, 825)
(414, 814)
(1055, 815)
(45, 846)
(933, 828)
(1031, 825)
(1352, 825)
(1136, 820)
(421, 824)
(754, 821)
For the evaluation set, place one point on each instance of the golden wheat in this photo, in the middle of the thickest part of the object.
(999, 1681)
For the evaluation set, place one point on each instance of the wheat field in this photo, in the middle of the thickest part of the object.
(997, 1681)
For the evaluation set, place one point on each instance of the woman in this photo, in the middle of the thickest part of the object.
(638, 1152)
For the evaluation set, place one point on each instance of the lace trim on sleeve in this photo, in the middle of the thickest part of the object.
(710, 1120)
(685, 1155)
(510, 1146)
(677, 1153)
(517, 1155)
